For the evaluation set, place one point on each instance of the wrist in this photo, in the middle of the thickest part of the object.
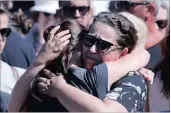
(41, 59)
(37, 63)
(61, 88)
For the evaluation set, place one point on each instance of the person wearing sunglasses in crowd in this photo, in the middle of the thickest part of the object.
(17, 51)
(126, 95)
(80, 10)
(83, 81)
(102, 48)
(147, 10)
(8, 74)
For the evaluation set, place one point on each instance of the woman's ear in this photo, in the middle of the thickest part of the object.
(91, 11)
(124, 52)
(151, 9)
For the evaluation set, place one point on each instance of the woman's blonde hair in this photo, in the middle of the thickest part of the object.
(140, 26)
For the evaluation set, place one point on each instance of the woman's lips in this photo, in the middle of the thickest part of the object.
(91, 58)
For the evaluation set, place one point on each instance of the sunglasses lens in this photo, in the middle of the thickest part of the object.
(46, 14)
(71, 10)
(5, 32)
(88, 41)
(83, 10)
(161, 23)
(103, 45)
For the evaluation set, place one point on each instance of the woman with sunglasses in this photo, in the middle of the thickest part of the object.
(122, 96)
(9, 75)
(102, 46)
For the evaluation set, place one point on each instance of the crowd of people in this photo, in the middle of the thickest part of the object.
(85, 56)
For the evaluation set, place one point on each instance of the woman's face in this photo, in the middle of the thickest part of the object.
(3, 24)
(162, 18)
(93, 55)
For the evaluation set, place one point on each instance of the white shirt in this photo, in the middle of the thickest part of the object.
(7, 82)
(157, 100)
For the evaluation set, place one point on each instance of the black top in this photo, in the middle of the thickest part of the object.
(130, 91)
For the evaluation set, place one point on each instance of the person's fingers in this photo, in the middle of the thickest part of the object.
(44, 80)
(66, 37)
(41, 86)
(57, 46)
(61, 34)
(63, 45)
(142, 71)
(49, 73)
(59, 74)
(41, 79)
(42, 89)
(151, 77)
(52, 33)
(58, 42)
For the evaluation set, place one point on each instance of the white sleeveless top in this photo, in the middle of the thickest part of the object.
(157, 100)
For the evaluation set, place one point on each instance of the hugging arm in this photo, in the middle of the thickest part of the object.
(66, 93)
(131, 62)
(124, 96)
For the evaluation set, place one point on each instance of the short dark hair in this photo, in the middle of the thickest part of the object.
(54, 66)
(75, 29)
(127, 34)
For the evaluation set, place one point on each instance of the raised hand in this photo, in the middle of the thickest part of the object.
(54, 45)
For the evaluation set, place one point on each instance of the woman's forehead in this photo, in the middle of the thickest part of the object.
(103, 31)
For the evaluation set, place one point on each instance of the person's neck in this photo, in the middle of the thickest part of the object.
(90, 22)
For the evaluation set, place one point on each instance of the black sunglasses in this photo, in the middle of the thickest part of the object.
(162, 23)
(71, 10)
(47, 14)
(5, 32)
(133, 4)
(90, 40)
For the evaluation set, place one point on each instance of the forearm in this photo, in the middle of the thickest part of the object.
(130, 62)
(76, 100)
(20, 91)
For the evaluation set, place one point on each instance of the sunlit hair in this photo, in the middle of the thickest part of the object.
(140, 26)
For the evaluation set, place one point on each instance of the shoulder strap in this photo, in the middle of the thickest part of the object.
(15, 73)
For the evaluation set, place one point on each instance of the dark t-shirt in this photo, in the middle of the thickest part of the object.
(18, 52)
(95, 82)
(130, 91)
(91, 81)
